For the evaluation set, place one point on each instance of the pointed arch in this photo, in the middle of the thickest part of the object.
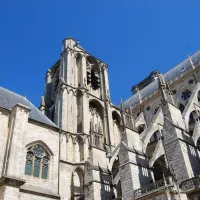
(160, 168)
(96, 123)
(41, 143)
(116, 119)
(93, 72)
(37, 161)
(77, 183)
(96, 104)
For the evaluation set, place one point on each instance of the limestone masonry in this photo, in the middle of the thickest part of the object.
(79, 146)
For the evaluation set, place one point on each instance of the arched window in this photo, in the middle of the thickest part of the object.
(96, 123)
(152, 144)
(116, 127)
(93, 72)
(160, 168)
(37, 162)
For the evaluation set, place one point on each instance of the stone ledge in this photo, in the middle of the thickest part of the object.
(39, 191)
(11, 181)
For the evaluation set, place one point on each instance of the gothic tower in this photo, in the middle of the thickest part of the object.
(77, 99)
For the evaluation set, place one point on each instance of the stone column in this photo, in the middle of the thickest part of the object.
(63, 117)
(86, 120)
(14, 162)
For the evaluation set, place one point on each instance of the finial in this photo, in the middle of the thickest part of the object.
(42, 101)
(122, 104)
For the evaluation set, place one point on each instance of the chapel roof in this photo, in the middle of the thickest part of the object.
(9, 99)
(170, 75)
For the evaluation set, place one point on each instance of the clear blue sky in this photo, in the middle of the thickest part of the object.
(133, 37)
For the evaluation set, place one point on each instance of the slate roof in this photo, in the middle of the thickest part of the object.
(183, 66)
(9, 99)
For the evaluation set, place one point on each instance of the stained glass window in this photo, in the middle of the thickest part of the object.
(186, 95)
(37, 162)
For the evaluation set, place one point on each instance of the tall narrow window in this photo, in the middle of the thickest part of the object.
(93, 72)
(37, 162)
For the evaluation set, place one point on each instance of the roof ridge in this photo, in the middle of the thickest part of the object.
(169, 75)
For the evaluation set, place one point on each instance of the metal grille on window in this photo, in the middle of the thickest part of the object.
(37, 162)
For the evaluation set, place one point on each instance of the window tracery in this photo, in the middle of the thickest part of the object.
(37, 162)
(96, 125)
(185, 95)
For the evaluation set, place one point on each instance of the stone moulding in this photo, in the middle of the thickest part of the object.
(11, 181)
(191, 184)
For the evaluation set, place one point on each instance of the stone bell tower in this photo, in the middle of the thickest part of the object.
(77, 99)
(82, 78)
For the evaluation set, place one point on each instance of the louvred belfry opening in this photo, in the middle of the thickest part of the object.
(93, 74)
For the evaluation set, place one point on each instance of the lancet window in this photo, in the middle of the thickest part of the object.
(96, 124)
(37, 162)
(93, 73)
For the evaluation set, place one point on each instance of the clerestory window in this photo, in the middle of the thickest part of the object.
(186, 95)
(37, 162)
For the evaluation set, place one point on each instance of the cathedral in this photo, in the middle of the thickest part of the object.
(78, 145)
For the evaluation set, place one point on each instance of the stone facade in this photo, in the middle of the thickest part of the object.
(146, 148)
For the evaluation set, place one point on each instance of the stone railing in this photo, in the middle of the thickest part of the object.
(190, 184)
(150, 188)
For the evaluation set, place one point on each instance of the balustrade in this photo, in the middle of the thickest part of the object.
(152, 187)
(190, 184)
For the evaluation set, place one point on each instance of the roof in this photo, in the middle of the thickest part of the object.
(171, 74)
(9, 99)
